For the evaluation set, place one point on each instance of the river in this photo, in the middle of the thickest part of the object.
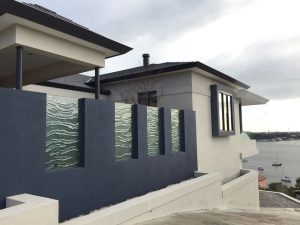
(288, 154)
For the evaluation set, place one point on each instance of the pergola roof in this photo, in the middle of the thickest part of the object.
(53, 46)
(51, 19)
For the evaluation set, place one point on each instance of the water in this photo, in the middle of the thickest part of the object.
(288, 154)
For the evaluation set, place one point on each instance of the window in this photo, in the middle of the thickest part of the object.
(222, 111)
(148, 98)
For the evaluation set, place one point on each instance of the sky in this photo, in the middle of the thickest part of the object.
(254, 41)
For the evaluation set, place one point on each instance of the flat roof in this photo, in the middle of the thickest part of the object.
(50, 19)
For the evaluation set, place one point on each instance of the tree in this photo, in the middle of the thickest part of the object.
(298, 183)
(279, 187)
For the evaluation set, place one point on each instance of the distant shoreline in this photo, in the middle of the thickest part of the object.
(274, 136)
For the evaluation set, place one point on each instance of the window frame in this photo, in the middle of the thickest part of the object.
(215, 107)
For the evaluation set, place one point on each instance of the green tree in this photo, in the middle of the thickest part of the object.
(279, 187)
(297, 186)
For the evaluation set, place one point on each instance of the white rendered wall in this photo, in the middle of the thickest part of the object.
(241, 193)
(215, 154)
(200, 193)
(203, 192)
(29, 210)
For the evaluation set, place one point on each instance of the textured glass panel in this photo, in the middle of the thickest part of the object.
(153, 131)
(123, 131)
(62, 133)
(175, 126)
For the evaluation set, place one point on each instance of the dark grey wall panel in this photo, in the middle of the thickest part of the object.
(22, 141)
(101, 181)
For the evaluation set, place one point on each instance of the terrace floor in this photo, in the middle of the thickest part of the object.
(275, 200)
(276, 210)
(216, 217)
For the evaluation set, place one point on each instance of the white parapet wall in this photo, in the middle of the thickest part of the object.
(27, 209)
(204, 191)
(242, 192)
(248, 147)
(199, 193)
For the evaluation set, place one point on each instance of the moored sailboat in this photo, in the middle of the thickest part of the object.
(276, 163)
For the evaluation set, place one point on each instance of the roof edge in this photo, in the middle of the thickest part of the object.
(29, 13)
(188, 65)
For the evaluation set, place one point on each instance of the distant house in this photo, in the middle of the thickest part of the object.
(70, 137)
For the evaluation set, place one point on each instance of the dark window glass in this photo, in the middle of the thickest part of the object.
(148, 98)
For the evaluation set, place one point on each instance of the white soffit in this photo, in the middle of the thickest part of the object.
(7, 20)
(249, 98)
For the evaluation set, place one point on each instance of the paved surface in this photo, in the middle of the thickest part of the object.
(230, 218)
(275, 200)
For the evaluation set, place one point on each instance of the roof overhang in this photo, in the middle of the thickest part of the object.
(227, 81)
(58, 26)
(196, 67)
(53, 47)
(248, 98)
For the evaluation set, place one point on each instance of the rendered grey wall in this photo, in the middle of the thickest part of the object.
(101, 181)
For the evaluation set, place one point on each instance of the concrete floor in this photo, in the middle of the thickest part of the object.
(275, 200)
(264, 217)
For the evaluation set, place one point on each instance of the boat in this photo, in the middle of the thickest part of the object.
(244, 160)
(276, 163)
(286, 179)
(261, 168)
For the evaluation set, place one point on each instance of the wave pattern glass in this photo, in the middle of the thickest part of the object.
(62, 133)
(123, 131)
(175, 130)
(153, 131)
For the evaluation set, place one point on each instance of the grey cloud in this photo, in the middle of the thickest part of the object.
(130, 20)
(272, 68)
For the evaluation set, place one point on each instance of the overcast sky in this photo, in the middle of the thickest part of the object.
(255, 41)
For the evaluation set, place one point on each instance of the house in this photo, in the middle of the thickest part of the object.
(92, 142)
(180, 85)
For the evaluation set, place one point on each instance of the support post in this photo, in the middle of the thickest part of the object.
(97, 82)
(19, 67)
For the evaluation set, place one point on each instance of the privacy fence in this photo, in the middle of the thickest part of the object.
(89, 153)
